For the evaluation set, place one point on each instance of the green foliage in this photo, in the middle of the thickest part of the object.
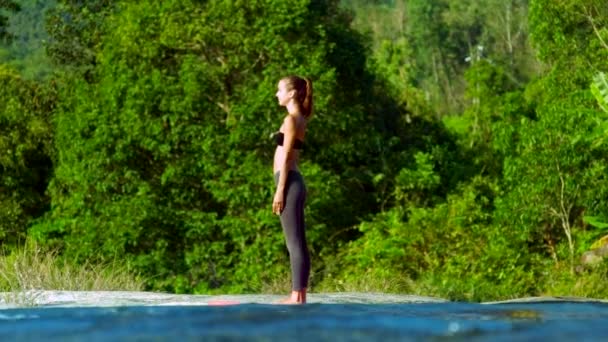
(568, 30)
(393, 62)
(537, 143)
(25, 51)
(415, 186)
(595, 221)
(488, 85)
(25, 153)
(427, 46)
(599, 89)
(450, 250)
(75, 29)
(7, 8)
(554, 174)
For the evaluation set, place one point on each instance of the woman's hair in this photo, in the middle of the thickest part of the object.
(303, 88)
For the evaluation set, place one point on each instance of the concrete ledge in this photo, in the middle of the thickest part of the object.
(41, 298)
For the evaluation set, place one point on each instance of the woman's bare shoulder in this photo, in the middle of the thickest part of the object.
(289, 123)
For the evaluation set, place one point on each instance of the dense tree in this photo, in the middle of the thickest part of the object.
(7, 9)
(25, 51)
(539, 145)
(25, 154)
(75, 29)
(555, 175)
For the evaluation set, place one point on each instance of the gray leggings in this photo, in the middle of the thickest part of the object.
(292, 220)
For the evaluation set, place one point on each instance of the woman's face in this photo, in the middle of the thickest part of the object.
(283, 95)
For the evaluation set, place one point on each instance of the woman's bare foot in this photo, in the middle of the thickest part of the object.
(297, 297)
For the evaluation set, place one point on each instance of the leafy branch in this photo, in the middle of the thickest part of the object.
(563, 213)
(599, 88)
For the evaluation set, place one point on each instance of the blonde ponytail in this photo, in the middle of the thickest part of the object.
(307, 103)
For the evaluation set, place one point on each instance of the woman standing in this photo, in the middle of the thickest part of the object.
(295, 94)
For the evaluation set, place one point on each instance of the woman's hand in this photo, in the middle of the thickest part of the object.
(277, 203)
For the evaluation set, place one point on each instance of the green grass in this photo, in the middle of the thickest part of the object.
(557, 281)
(369, 281)
(588, 282)
(29, 269)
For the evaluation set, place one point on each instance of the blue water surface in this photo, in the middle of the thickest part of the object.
(563, 321)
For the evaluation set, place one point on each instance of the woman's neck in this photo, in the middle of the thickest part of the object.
(294, 108)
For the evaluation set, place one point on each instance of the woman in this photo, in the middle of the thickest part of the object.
(295, 94)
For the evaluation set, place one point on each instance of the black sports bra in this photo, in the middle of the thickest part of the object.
(297, 144)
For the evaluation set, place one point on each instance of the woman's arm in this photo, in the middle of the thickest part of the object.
(289, 136)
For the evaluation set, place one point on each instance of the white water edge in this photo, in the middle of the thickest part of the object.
(44, 298)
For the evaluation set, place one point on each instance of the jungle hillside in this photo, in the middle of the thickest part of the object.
(458, 149)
